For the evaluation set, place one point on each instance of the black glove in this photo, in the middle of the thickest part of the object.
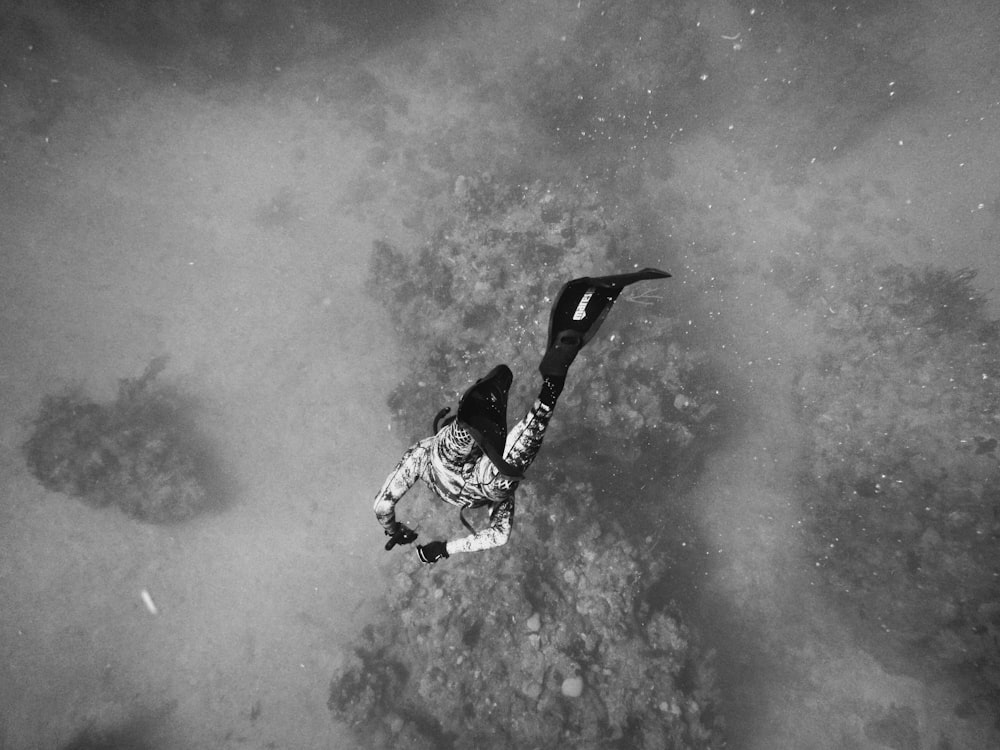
(399, 534)
(432, 551)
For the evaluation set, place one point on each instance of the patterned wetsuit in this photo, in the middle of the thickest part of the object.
(454, 467)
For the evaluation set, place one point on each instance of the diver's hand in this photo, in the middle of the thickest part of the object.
(399, 534)
(432, 551)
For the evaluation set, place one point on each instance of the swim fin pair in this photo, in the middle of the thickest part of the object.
(579, 310)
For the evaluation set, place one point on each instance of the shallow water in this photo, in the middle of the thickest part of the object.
(229, 227)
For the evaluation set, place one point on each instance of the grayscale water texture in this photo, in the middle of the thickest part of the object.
(800, 461)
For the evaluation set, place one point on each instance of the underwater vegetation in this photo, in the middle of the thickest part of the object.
(903, 400)
(116, 739)
(565, 637)
(139, 452)
(478, 293)
(143, 728)
(554, 644)
(119, 738)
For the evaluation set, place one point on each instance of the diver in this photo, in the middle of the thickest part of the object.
(471, 461)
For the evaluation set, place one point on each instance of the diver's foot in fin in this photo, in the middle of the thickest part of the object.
(560, 355)
(483, 412)
(579, 310)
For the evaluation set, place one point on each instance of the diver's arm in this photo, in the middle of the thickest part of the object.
(406, 473)
(501, 520)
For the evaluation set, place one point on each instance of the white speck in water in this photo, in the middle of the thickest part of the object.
(148, 601)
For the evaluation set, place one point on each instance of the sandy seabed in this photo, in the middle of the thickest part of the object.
(159, 238)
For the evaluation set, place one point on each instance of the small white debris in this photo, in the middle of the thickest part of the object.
(148, 601)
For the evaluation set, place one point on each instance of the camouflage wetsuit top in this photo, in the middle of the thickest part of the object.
(458, 472)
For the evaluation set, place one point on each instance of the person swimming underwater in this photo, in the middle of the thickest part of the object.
(471, 460)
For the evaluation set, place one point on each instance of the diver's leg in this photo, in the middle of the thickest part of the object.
(523, 442)
(525, 439)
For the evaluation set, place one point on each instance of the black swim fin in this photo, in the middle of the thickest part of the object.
(483, 412)
(580, 308)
